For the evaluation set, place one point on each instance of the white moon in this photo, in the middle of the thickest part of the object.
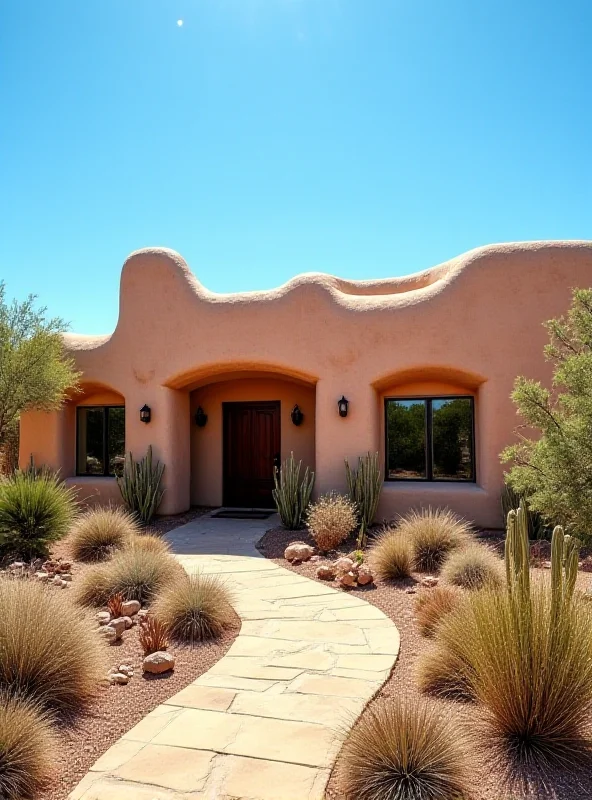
(180, 23)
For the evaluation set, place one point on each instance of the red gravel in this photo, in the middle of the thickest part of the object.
(487, 780)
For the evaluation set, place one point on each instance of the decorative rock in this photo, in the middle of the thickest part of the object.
(343, 565)
(119, 677)
(157, 663)
(64, 584)
(315, 558)
(347, 580)
(411, 590)
(17, 565)
(42, 576)
(103, 617)
(141, 615)
(56, 580)
(126, 669)
(429, 581)
(298, 551)
(118, 626)
(108, 633)
(66, 576)
(364, 576)
(326, 573)
(64, 566)
(128, 622)
(129, 608)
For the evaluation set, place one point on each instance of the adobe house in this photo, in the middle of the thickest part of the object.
(230, 384)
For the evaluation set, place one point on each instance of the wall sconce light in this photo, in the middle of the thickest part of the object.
(297, 415)
(342, 406)
(200, 417)
(145, 414)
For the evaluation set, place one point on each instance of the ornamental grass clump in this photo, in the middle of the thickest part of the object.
(331, 520)
(140, 486)
(433, 534)
(153, 636)
(292, 493)
(390, 556)
(195, 609)
(27, 748)
(404, 750)
(473, 567)
(48, 649)
(35, 511)
(99, 532)
(432, 605)
(137, 573)
(149, 542)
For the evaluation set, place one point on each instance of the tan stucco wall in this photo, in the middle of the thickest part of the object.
(206, 442)
(475, 320)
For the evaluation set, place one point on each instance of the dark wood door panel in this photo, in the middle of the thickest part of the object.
(251, 449)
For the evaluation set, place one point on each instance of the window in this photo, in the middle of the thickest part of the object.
(430, 438)
(100, 440)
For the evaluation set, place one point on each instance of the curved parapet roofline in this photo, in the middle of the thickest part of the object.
(363, 295)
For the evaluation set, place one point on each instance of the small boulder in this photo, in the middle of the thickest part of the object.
(129, 608)
(429, 581)
(42, 576)
(66, 576)
(364, 576)
(347, 580)
(56, 580)
(118, 626)
(298, 551)
(126, 669)
(119, 677)
(103, 617)
(16, 565)
(141, 615)
(128, 622)
(157, 663)
(343, 565)
(326, 573)
(108, 633)
(64, 584)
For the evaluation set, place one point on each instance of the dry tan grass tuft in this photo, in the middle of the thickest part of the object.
(99, 532)
(195, 609)
(390, 556)
(432, 605)
(137, 573)
(48, 650)
(331, 520)
(473, 567)
(403, 750)
(433, 534)
(149, 541)
(27, 748)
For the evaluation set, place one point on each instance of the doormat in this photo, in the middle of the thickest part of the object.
(242, 514)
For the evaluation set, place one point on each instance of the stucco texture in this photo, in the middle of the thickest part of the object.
(469, 326)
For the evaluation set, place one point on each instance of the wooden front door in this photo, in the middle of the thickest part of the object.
(251, 450)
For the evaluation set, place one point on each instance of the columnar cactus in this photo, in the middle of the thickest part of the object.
(291, 494)
(364, 485)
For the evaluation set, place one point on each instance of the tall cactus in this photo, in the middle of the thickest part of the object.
(364, 486)
(517, 556)
(291, 494)
(140, 486)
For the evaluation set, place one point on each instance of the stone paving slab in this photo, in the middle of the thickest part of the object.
(267, 721)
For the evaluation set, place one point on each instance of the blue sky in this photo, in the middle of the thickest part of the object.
(263, 138)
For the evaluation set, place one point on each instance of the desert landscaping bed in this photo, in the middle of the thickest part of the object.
(397, 600)
(118, 708)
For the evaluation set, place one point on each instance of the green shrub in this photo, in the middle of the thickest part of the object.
(291, 493)
(432, 605)
(140, 486)
(433, 534)
(35, 510)
(97, 533)
(136, 573)
(27, 748)
(48, 650)
(364, 485)
(473, 567)
(194, 609)
(404, 750)
(331, 520)
(390, 556)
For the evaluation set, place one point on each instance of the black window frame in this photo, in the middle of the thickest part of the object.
(105, 410)
(429, 445)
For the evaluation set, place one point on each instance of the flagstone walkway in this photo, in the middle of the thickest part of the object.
(267, 721)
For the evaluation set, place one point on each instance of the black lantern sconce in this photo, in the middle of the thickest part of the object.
(145, 414)
(297, 416)
(200, 417)
(342, 406)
